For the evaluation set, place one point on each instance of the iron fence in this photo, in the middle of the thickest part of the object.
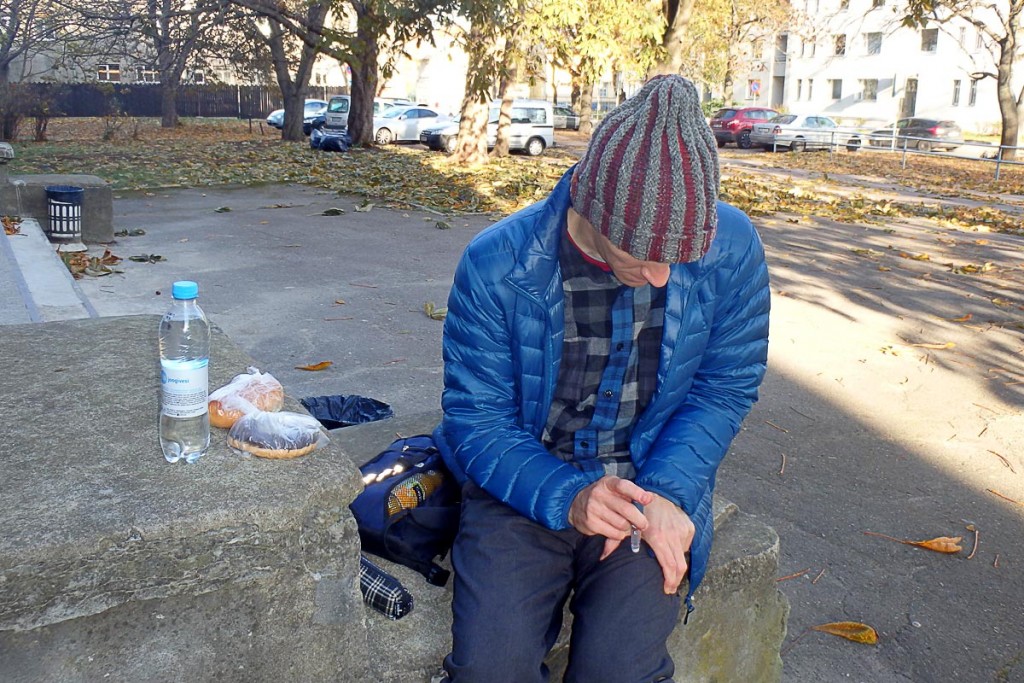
(144, 99)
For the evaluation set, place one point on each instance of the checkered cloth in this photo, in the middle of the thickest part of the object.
(383, 592)
(609, 365)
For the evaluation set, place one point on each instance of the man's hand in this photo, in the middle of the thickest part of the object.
(605, 508)
(669, 533)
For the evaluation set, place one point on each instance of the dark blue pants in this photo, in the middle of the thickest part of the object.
(512, 579)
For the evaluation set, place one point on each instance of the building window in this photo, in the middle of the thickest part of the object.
(840, 45)
(979, 41)
(874, 43)
(956, 93)
(108, 72)
(877, 3)
(929, 39)
(837, 88)
(799, 88)
(844, 4)
(972, 97)
(146, 74)
(199, 77)
(963, 36)
(810, 89)
(869, 89)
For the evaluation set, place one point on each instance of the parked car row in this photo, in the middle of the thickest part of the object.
(400, 120)
(531, 129)
(799, 132)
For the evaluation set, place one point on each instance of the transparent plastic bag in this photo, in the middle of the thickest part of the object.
(246, 393)
(282, 435)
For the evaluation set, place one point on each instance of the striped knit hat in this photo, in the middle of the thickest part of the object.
(649, 180)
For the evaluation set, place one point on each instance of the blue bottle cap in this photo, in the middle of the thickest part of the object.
(184, 289)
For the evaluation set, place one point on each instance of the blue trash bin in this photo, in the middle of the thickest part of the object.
(64, 208)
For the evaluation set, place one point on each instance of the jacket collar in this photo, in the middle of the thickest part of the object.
(538, 262)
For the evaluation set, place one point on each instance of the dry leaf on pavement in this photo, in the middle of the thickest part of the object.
(315, 367)
(940, 544)
(851, 630)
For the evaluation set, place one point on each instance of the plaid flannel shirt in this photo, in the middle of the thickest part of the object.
(609, 364)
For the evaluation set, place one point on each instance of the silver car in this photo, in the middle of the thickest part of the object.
(404, 124)
(798, 132)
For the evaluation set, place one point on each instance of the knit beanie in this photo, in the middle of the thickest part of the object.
(649, 180)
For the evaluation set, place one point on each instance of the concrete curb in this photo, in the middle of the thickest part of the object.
(45, 287)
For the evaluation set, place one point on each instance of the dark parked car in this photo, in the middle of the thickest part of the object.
(566, 117)
(921, 134)
(311, 110)
(733, 124)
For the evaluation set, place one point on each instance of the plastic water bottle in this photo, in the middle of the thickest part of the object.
(184, 379)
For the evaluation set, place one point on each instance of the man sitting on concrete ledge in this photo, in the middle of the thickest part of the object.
(601, 349)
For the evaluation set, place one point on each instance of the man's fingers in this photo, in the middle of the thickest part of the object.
(629, 490)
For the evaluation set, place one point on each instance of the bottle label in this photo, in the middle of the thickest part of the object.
(184, 385)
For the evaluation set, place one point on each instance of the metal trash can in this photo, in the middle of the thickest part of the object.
(64, 207)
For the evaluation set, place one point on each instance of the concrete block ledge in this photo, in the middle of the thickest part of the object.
(116, 564)
(26, 195)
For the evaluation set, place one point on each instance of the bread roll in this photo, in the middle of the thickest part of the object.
(244, 394)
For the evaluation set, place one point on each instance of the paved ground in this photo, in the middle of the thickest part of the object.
(863, 424)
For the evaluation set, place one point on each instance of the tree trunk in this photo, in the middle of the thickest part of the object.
(364, 77)
(586, 109)
(1008, 107)
(168, 105)
(504, 117)
(472, 144)
(9, 117)
(677, 15)
(294, 105)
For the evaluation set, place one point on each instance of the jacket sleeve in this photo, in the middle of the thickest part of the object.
(481, 424)
(684, 458)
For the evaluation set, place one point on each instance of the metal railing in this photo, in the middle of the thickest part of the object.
(855, 139)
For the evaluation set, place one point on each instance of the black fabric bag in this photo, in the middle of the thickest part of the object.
(409, 510)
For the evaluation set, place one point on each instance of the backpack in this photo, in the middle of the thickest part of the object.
(409, 511)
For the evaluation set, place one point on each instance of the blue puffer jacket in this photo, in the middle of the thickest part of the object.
(503, 345)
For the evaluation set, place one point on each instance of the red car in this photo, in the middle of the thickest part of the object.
(733, 124)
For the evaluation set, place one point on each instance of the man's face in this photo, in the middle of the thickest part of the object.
(629, 270)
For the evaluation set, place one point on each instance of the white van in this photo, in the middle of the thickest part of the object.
(336, 116)
(532, 129)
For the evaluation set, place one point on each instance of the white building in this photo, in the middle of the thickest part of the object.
(856, 62)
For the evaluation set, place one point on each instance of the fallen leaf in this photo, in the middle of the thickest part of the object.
(222, 209)
(433, 312)
(364, 207)
(12, 226)
(940, 544)
(109, 259)
(1002, 302)
(316, 367)
(443, 225)
(334, 211)
(962, 319)
(884, 269)
(147, 258)
(851, 630)
(340, 301)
